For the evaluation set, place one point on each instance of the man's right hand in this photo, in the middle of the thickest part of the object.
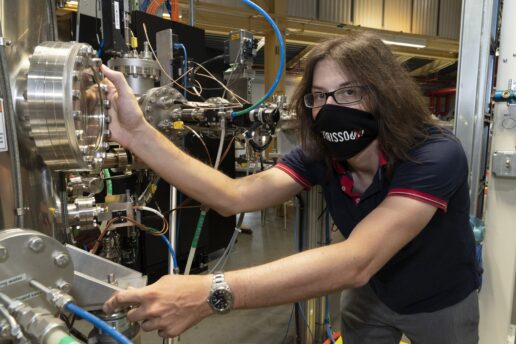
(127, 120)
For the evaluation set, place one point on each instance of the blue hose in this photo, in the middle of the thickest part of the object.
(282, 59)
(171, 250)
(98, 323)
(185, 65)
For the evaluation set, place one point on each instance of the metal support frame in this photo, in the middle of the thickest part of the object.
(312, 227)
(473, 88)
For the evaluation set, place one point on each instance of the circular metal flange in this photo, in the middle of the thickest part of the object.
(66, 106)
(28, 255)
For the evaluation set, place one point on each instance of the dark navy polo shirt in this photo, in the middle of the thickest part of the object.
(437, 268)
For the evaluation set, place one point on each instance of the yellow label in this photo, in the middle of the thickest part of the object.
(234, 36)
(178, 125)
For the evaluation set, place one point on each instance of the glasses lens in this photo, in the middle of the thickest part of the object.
(349, 94)
(309, 100)
(316, 99)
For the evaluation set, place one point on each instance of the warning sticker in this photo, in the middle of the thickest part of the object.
(3, 134)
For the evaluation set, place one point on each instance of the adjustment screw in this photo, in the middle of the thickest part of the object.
(4, 253)
(107, 119)
(61, 259)
(36, 244)
(104, 88)
(107, 104)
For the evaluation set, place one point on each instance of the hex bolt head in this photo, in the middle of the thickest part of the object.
(61, 259)
(36, 244)
(96, 62)
(107, 104)
(4, 253)
(63, 286)
(76, 94)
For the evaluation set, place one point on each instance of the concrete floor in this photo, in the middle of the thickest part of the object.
(268, 242)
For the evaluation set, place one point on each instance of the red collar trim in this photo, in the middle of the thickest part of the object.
(346, 182)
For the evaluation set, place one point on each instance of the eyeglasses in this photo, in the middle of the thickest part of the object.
(344, 95)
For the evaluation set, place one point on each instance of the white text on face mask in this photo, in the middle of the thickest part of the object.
(342, 136)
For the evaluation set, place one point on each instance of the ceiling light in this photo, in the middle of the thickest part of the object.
(412, 42)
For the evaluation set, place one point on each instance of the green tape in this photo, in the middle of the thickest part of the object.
(69, 340)
(198, 230)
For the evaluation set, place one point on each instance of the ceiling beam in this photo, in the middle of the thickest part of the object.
(296, 59)
(217, 19)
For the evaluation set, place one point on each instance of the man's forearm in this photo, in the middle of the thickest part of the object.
(301, 276)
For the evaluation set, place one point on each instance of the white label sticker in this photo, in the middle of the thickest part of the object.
(117, 14)
(28, 296)
(3, 134)
(13, 280)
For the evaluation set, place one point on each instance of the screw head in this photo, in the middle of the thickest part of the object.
(504, 60)
(63, 286)
(61, 259)
(36, 244)
(4, 253)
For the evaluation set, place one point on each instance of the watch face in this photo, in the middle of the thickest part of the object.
(221, 300)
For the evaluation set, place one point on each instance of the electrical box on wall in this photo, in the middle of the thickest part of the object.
(504, 164)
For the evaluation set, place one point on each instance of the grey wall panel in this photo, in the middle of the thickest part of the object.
(368, 13)
(424, 18)
(303, 8)
(449, 19)
(337, 11)
(397, 15)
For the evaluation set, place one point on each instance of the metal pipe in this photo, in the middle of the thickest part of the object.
(12, 137)
(192, 13)
(172, 235)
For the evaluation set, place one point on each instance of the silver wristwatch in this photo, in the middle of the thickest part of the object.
(220, 298)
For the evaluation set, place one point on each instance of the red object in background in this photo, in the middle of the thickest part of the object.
(174, 8)
(435, 100)
(336, 335)
(174, 5)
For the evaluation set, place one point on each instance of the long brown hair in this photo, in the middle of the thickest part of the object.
(393, 97)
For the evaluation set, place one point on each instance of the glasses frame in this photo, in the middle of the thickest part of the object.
(332, 94)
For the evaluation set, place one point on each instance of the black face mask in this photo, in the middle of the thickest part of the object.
(345, 131)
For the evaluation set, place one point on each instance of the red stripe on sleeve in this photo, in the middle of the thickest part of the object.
(298, 178)
(420, 196)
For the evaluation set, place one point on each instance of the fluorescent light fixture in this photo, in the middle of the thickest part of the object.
(412, 42)
(72, 3)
